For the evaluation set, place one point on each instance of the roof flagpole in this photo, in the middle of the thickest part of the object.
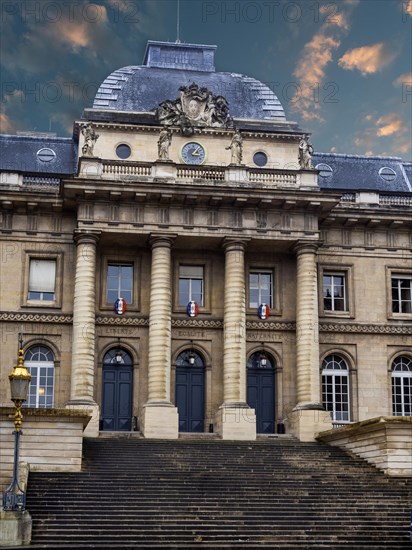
(178, 23)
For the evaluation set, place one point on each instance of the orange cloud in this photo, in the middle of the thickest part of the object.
(405, 78)
(367, 59)
(317, 54)
(310, 71)
(389, 125)
(6, 126)
(77, 34)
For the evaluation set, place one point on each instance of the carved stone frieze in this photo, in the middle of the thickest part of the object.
(207, 323)
(36, 317)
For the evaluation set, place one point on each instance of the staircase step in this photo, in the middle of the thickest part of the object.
(275, 492)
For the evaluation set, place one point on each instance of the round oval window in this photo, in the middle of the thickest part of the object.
(260, 158)
(123, 151)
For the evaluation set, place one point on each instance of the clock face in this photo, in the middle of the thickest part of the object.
(193, 153)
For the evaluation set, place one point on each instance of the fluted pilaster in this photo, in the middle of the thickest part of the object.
(234, 348)
(83, 346)
(160, 320)
(307, 325)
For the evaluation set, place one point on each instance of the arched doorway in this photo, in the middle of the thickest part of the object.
(261, 391)
(190, 391)
(117, 391)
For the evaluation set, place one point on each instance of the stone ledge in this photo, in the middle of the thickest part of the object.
(377, 441)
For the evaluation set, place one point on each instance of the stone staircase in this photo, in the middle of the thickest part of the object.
(275, 493)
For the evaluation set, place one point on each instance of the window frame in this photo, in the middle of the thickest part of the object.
(259, 273)
(50, 366)
(391, 273)
(274, 270)
(333, 373)
(337, 270)
(58, 258)
(206, 264)
(401, 375)
(133, 261)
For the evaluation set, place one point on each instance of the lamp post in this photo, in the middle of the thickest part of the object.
(14, 497)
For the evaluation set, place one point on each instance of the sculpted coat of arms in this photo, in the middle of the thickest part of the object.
(195, 107)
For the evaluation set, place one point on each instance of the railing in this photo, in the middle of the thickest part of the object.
(395, 200)
(348, 197)
(198, 172)
(39, 181)
(118, 168)
(271, 176)
(340, 424)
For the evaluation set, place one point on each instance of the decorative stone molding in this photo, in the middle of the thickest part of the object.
(60, 318)
(365, 329)
(135, 321)
(258, 325)
(197, 323)
(35, 317)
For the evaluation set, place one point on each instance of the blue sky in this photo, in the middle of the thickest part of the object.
(342, 69)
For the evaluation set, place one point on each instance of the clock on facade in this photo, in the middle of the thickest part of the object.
(193, 153)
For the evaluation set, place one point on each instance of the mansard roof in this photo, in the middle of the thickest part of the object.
(168, 66)
(362, 173)
(31, 154)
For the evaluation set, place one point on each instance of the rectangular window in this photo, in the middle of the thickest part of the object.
(401, 293)
(42, 280)
(119, 283)
(260, 288)
(334, 292)
(191, 285)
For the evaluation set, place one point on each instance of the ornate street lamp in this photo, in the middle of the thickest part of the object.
(14, 497)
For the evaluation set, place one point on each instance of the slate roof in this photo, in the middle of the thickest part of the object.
(167, 66)
(354, 173)
(18, 153)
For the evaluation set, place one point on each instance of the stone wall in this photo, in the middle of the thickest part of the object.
(385, 442)
(52, 440)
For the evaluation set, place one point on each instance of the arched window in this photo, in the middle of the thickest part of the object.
(260, 360)
(335, 387)
(189, 358)
(402, 387)
(39, 361)
(117, 356)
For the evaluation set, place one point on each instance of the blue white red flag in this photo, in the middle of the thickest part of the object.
(120, 306)
(263, 311)
(192, 309)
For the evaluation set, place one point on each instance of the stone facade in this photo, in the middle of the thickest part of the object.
(231, 221)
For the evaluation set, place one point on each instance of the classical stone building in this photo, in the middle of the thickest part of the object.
(186, 262)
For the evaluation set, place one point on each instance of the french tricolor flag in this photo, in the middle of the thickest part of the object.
(192, 309)
(120, 306)
(263, 311)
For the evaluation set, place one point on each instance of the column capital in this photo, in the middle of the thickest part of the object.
(306, 247)
(233, 243)
(81, 236)
(161, 239)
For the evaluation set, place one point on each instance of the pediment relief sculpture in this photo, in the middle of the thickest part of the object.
(195, 107)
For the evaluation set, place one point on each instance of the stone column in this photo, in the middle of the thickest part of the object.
(308, 417)
(83, 336)
(160, 419)
(235, 419)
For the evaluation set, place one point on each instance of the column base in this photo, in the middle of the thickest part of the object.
(15, 528)
(160, 420)
(306, 421)
(236, 421)
(92, 428)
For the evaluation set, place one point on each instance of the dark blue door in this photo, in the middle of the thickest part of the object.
(117, 392)
(190, 391)
(261, 393)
